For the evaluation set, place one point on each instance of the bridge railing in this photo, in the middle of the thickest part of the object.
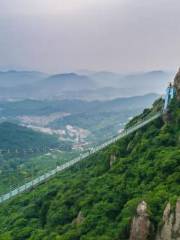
(49, 174)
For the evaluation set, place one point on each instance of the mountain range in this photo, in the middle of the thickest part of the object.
(13, 78)
(99, 85)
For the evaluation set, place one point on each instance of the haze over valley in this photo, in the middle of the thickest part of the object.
(73, 112)
(92, 86)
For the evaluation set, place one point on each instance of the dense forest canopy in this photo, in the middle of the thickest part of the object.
(97, 198)
(23, 154)
(17, 137)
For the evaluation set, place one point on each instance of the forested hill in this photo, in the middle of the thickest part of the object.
(97, 199)
(17, 137)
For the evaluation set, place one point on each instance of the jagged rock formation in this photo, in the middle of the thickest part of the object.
(170, 229)
(177, 84)
(141, 226)
(165, 232)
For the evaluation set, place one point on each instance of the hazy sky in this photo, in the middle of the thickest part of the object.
(67, 35)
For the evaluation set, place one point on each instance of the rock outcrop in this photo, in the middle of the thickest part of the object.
(170, 229)
(141, 228)
(177, 84)
(176, 227)
(166, 229)
(79, 219)
(112, 160)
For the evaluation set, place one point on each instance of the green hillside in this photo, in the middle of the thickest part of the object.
(96, 199)
(45, 107)
(17, 137)
(22, 154)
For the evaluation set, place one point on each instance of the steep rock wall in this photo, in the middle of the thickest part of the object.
(177, 84)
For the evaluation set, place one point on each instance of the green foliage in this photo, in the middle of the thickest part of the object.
(19, 163)
(13, 137)
(146, 168)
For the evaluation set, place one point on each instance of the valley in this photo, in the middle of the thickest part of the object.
(71, 127)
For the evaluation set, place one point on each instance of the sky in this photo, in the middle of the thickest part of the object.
(109, 35)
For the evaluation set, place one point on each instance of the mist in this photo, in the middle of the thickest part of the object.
(61, 36)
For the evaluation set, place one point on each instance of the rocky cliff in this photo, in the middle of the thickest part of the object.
(169, 228)
(177, 84)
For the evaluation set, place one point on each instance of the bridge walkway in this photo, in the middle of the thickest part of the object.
(72, 162)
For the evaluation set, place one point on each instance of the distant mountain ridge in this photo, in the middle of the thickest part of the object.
(14, 78)
(127, 80)
(40, 108)
(93, 86)
(68, 81)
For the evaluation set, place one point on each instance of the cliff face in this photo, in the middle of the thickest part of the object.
(142, 228)
(177, 84)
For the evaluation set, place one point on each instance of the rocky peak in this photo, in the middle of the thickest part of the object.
(177, 84)
(170, 229)
(142, 209)
(165, 232)
(141, 226)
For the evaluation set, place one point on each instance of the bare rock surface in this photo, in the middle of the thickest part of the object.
(170, 229)
(166, 230)
(177, 84)
(141, 225)
(79, 219)
(113, 159)
(176, 227)
(142, 228)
